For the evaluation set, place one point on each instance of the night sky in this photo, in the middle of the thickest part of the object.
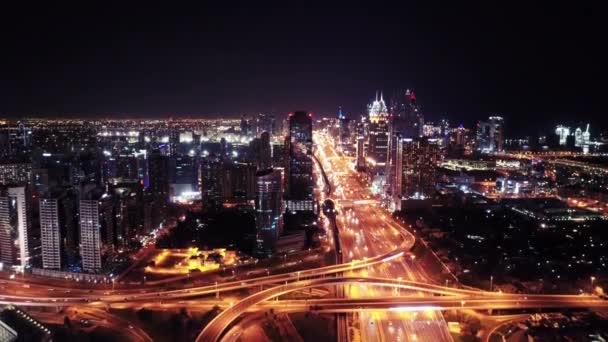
(536, 65)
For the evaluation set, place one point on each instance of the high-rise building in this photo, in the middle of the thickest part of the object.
(211, 180)
(261, 153)
(265, 123)
(299, 167)
(490, 135)
(405, 121)
(15, 172)
(96, 229)
(269, 209)
(158, 175)
(377, 153)
(562, 132)
(360, 161)
(16, 236)
(57, 211)
(415, 174)
(183, 175)
(300, 131)
(344, 133)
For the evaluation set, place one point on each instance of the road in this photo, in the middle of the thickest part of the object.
(407, 308)
(366, 230)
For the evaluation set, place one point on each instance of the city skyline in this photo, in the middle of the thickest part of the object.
(293, 172)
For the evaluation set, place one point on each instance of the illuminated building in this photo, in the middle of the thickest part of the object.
(299, 167)
(490, 135)
(15, 173)
(562, 132)
(158, 175)
(261, 153)
(268, 209)
(16, 235)
(183, 175)
(582, 139)
(265, 123)
(378, 135)
(58, 228)
(96, 229)
(300, 131)
(344, 132)
(360, 161)
(405, 121)
(211, 180)
(415, 173)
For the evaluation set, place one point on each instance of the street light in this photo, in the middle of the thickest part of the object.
(491, 280)
(592, 281)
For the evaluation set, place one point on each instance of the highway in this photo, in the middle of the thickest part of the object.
(453, 299)
(366, 230)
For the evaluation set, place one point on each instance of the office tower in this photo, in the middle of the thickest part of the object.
(15, 172)
(261, 153)
(183, 175)
(58, 228)
(490, 135)
(299, 166)
(300, 131)
(238, 181)
(265, 153)
(562, 132)
(245, 131)
(17, 240)
(378, 133)
(344, 132)
(360, 161)
(458, 142)
(210, 177)
(129, 204)
(265, 123)
(158, 175)
(406, 121)
(96, 229)
(415, 175)
(268, 209)
(377, 143)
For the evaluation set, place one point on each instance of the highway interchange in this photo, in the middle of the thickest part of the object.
(383, 286)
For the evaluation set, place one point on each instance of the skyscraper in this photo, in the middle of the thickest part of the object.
(415, 174)
(300, 131)
(210, 177)
(562, 132)
(158, 175)
(96, 229)
(16, 236)
(377, 143)
(299, 166)
(261, 153)
(378, 133)
(58, 228)
(490, 135)
(405, 121)
(269, 209)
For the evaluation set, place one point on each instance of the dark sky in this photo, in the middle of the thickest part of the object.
(533, 64)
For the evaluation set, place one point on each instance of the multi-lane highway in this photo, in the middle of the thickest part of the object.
(366, 229)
